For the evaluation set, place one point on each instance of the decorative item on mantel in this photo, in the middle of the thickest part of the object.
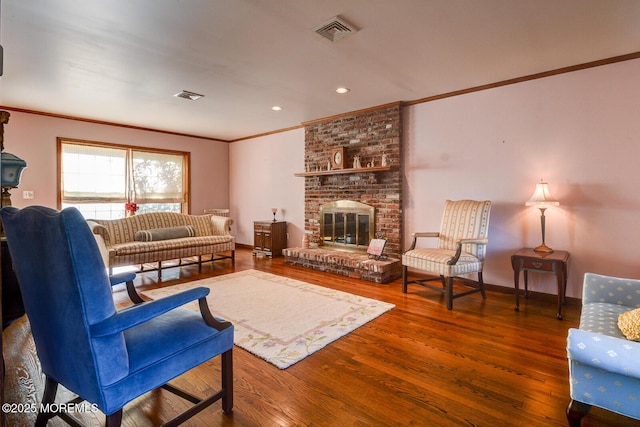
(11, 165)
(542, 200)
(356, 162)
(130, 208)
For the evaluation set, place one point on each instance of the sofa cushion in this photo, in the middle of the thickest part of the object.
(168, 233)
(602, 318)
(124, 249)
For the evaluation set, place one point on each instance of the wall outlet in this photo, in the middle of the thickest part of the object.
(27, 194)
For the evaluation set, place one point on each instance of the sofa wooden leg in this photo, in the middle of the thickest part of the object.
(576, 411)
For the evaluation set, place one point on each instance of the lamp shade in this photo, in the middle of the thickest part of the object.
(12, 167)
(542, 198)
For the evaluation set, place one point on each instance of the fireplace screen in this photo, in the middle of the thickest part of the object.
(347, 225)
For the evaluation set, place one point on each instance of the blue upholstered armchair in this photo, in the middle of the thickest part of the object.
(107, 357)
(604, 367)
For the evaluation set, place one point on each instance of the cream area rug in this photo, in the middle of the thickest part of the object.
(279, 319)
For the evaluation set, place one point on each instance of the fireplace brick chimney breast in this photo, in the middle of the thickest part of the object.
(369, 134)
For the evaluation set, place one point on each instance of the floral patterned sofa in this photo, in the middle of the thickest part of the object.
(159, 236)
(604, 355)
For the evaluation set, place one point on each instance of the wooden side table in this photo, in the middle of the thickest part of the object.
(527, 259)
(269, 237)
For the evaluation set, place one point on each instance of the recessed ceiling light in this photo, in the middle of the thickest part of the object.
(276, 108)
(343, 90)
(192, 96)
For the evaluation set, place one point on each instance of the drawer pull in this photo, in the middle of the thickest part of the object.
(537, 264)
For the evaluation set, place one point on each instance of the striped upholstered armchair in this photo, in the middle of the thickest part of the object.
(460, 250)
(604, 355)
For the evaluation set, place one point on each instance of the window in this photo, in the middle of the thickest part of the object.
(99, 179)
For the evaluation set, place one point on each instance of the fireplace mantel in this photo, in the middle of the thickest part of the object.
(345, 171)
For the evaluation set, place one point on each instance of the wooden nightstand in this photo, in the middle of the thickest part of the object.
(528, 260)
(269, 237)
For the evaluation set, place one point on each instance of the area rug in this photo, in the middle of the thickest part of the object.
(279, 319)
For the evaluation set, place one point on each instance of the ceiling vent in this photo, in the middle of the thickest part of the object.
(335, 29)
(192, 96)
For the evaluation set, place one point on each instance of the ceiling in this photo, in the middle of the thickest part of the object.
(121, 61)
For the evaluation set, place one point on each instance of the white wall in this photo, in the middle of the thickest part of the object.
(579, 131)
(261, 177)
(32, 137)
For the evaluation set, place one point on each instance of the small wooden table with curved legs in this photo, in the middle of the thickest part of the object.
(528, 260)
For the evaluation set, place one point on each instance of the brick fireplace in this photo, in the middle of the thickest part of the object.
(370, 135)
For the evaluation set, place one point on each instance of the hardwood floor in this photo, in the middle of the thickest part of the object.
(482, 364)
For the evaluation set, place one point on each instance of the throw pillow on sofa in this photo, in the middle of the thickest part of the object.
(156, 234)
(629, 324)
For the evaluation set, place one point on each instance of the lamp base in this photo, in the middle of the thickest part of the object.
(543, 249)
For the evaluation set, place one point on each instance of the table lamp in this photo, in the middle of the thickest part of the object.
(542, 200)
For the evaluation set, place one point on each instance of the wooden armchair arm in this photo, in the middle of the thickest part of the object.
(209, 318)
(456, 257)
(422, 234)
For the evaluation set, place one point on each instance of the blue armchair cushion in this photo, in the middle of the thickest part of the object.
(155, 234)
(150, 353)
(629, 324)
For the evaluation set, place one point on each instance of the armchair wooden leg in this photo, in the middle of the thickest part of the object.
(227, 381)
(114, 420)
(481, 285)
(576, 411)
(449, 293)
(404, 278)
(49, 397)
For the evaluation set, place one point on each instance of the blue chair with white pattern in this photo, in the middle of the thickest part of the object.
(604, 366)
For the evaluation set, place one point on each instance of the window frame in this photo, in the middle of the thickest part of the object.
(185, 206)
